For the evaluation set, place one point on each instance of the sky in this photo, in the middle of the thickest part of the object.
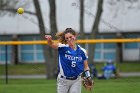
(114, 18)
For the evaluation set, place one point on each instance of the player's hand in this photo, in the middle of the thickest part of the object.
(88, 83)
(48, 37)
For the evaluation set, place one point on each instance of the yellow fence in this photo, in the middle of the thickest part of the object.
(78, 41)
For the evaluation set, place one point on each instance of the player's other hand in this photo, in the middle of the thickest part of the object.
(48, 37)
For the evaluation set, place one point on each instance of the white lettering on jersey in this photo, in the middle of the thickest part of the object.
(73, 58)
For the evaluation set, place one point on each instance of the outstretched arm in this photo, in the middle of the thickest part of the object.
(50, 42)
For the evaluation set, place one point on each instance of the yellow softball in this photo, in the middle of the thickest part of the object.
(20, 10)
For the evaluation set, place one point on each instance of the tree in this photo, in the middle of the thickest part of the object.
(121, 6)
(81, 22)
(42, 35)
(95, 26)
(53, 28)
(51, 55)
(10, 6)
(95, 29)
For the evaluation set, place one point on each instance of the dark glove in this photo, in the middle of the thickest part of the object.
(87, 82)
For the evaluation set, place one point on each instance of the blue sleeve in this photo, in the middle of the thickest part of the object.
(61, 46)
(84, 55)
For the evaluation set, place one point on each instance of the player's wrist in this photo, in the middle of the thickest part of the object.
(87, 74)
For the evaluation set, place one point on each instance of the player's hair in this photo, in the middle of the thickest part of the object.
(61, 35)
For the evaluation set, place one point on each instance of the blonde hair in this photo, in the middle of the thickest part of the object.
(61, 35)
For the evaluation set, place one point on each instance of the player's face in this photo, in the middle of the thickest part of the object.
(70, 38)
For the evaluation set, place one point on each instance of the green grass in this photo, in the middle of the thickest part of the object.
(129, 67)
(24, 69)
(123, 67)
(40, 68)
(121, 85)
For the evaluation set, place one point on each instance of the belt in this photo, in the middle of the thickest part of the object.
(69, 78)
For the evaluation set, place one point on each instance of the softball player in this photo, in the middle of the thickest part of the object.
(72, 61)
(108, 70)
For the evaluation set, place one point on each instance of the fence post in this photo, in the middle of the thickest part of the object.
(6, 65)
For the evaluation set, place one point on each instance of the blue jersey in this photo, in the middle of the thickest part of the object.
(108, 70)
(110, 67)
(71, 62)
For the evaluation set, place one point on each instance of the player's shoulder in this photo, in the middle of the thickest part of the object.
(82, 49)
(62, 45)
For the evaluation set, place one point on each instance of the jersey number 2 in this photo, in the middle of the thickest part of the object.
(73, 64)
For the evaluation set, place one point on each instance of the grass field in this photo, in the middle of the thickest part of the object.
(30, 69)
(121, 85)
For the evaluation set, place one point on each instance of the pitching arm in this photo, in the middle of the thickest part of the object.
(50, 42)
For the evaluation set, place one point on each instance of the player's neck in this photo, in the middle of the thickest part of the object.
(73, 46)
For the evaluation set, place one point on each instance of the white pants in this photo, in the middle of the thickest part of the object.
(68, 86)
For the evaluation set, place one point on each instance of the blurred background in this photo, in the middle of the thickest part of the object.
(91, 19)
